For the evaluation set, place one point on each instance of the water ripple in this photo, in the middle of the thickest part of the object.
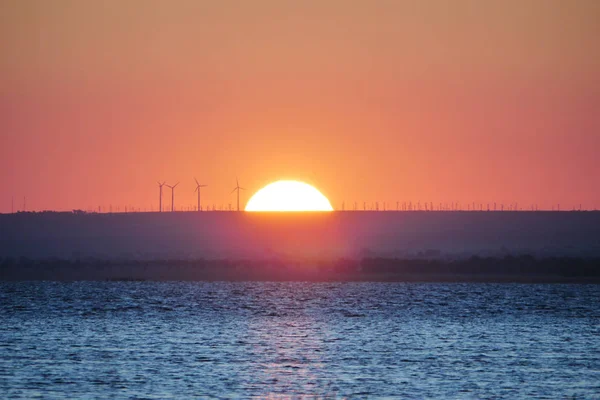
(272, 340)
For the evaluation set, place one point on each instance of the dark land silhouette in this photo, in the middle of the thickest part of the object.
(474, 269)
(395, 246)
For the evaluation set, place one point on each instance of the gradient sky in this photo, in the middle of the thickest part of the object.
(441, 101)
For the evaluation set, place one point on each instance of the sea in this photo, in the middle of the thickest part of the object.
(171, 340)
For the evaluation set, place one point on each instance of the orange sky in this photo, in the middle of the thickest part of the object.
(451, 101)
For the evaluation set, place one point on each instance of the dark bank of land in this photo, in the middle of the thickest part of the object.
(525, 269)
(339, 246)
(342, 234)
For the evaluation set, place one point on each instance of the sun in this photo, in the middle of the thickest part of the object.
(288, 196)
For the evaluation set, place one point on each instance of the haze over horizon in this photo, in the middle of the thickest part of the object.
(383, 101)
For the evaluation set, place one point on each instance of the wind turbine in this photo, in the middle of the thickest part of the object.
(238, 188)
(198, 186)
(173, 196)
(160, 186)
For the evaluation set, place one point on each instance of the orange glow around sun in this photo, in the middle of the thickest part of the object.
(288, 196)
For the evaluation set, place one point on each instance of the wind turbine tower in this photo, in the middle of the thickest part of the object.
(160, 190)
(198, 186)
(238, 188)
(173, 196)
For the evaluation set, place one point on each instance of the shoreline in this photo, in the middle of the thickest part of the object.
(523, 269)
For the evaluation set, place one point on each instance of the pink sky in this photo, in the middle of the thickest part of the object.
(437, 101)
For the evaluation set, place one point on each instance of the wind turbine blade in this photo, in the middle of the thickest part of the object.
(196, 181)
(237, 182)
(202, 185)
(233, 190)
(176, 185)
(196, 189)
(242, 188)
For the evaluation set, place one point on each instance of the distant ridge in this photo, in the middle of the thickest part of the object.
(327, 236)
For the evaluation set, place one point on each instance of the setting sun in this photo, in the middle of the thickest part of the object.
(288, 196)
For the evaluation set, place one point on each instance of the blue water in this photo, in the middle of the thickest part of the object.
(228, 340)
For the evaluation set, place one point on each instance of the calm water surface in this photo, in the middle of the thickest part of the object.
(227, 340)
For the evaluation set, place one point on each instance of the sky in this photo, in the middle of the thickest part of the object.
(425, 101)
